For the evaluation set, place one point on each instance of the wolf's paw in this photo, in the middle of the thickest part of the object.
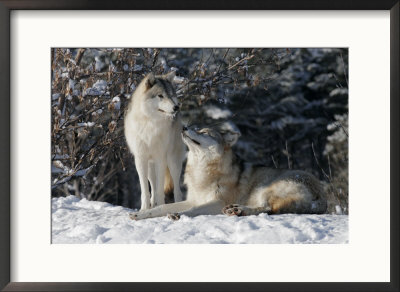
(232, 210)
(138, 215)
(133, 216)
(174, 216)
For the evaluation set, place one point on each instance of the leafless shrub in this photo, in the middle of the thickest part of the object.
(282, 100)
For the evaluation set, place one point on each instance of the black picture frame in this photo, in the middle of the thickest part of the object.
(7, 6)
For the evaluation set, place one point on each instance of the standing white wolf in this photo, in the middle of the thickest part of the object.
(153, 132)
(219, 182)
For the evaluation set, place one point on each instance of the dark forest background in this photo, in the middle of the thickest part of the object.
(291, 106)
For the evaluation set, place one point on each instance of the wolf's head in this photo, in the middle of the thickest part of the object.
(210, 143)
(158, 96)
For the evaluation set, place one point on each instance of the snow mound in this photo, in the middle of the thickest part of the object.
(98, 88)
(83, 221)
(217, 113)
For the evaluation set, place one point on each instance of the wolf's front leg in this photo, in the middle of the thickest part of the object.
(175, 168)
(142, 169)
(162, 210)
(158, 197)
(210, 208)
(152, 181)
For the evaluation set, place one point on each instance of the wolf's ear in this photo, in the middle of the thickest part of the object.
(170, 76)
(230, 137)
(150, 80)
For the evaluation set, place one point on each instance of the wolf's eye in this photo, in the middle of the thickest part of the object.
(161, 96)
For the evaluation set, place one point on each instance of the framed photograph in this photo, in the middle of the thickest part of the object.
(194, 146)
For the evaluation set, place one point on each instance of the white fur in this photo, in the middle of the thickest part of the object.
(153, 133)
(216, 178)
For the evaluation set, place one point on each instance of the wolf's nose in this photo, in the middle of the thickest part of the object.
(184, 128)
(176, 108)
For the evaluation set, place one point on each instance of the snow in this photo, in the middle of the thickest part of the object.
(288, 120)
(98, 88)
(179, 80)
(99, 64)
(137, 68)
(81, 221)
(117, 102)
(338, 210)
(88, 124)
(133, 87)
(71, 84)
(55, 96)
(217, 113)
(339, 91)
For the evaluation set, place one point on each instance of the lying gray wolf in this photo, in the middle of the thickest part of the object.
(153, 132)
(219, 182)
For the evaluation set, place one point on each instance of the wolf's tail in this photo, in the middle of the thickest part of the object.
(168, 185)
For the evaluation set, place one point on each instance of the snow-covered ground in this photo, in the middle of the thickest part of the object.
(82, 221)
